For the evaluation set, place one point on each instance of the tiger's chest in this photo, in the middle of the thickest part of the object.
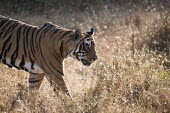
(26, 66)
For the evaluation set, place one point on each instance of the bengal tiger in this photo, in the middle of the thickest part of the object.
(42, 50)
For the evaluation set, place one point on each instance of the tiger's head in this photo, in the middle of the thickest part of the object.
(84, 49)
(68, 43)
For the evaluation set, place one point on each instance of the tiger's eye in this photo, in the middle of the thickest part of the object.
(88, 39)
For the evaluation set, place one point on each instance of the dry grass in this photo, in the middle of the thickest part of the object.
(131, 74)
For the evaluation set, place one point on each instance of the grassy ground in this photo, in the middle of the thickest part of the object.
(131, 74)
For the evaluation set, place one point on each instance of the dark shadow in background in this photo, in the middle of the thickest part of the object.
(50, 6)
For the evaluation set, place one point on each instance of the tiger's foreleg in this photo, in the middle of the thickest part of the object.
(58, 84)
(35, 81)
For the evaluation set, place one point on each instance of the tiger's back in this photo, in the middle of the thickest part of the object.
(17, 45)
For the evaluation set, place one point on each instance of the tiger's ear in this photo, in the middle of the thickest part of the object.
(77, 34)
(91, 31)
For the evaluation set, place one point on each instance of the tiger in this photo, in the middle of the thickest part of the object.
(41, 51)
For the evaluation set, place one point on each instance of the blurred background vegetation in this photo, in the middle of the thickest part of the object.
(42, 6)
(133, 46)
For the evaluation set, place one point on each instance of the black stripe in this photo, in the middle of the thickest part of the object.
(34, 81)
(6, 33)
(45, 31)
(81, 52)
(15, 54)
(4, 45)
(68, 53)
(76, 47)
(61, 49)
(25, 27)
(32, 64)
(1, 32)
(61, 32)
(11, 28)
(22, 63)
(55, 68)
(7, 50)
(32, 61)
(68, 41)
(67, 32)
(14, 26)
(82, 46)
(45, 61)
(41, 35)
(32, 43)
(3, 22)
(57, 59)
(25, 69)
(55, 31)
(38, 33)
(48, 28)
(50, 70)
(27, 36)
(52, 31)
(79, 43)
(4, 61)
(6, 25)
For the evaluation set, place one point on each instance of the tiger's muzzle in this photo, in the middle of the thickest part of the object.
(88, 62)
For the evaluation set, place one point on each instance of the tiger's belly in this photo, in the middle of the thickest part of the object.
(27, 66)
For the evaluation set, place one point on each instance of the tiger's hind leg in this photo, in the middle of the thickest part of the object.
(35, 81)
